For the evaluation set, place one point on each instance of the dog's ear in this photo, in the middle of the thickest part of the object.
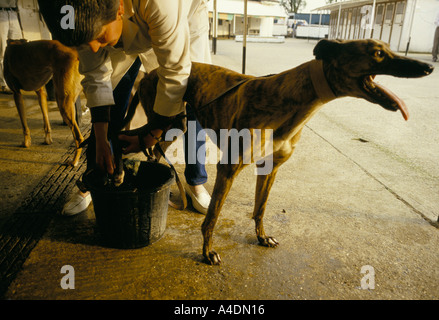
(327, 49)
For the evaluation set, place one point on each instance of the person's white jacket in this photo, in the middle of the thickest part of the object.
(166, 27)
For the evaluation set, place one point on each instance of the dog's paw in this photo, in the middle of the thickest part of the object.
(213, 258)
(267, 241)
(26, 143)
(48, 139)
(71, 163)
(118, 178)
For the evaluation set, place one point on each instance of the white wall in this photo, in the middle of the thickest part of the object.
(423, 25)
(312, 31)
(266, 28)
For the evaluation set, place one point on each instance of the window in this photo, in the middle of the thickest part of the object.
(399, 15)
(389, 13)
(379, 16)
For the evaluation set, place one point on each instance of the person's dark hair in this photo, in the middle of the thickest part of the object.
(90, 16)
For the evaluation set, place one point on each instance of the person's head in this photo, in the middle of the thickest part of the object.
(97, 22)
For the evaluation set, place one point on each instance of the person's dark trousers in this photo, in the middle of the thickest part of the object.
(121, 95)
(195, 151)
(78, 111)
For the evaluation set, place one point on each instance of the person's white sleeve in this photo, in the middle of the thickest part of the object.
(97, 70)
(169, 33)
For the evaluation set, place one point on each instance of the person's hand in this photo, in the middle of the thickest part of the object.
(104, 156)
(131, 143)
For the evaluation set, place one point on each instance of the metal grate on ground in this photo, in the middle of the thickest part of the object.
(22, 231)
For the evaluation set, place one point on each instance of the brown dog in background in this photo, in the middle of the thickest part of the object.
(29, 66)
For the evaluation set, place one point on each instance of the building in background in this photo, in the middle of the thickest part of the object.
(308, 25)
(404, 24)
(265, 18)
(311, 17)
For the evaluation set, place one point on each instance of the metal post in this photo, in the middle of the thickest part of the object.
(215, 27)
(372, 19)
(244, 38)
(411, 25)
(338, 21)
(320, 24)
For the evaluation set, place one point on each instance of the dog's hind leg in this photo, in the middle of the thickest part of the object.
(42, 100)
(70, 119)
(223, 183)
(66, 90)
(19, 103)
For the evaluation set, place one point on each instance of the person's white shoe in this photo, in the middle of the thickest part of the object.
(200, 200)
(76, 204)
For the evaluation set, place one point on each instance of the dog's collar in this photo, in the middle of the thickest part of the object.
(321, 86)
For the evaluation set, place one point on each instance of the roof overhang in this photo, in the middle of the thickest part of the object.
(254, 8)
(347, 4)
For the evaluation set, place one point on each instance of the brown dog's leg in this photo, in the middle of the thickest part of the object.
(223, 182)
(263, 187)
(77, 136)
(42, 100)
(66, 94)
(19, 103)
(70, 119)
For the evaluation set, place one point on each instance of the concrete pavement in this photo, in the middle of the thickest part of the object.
(354, 208)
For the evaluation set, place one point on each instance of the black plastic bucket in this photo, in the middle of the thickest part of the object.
(134, 214)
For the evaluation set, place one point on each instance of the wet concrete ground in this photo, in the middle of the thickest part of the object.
(359, 194)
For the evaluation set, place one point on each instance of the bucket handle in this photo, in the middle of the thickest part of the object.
(177, 180)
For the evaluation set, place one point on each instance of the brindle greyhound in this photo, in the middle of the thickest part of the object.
(283, 103)
(29, 66)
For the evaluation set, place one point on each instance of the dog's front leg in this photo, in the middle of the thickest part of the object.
(263, 187)
(264, 184)
(224, 180)
(42, 100)
(19, 103)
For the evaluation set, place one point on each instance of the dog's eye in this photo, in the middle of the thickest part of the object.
(379, 54)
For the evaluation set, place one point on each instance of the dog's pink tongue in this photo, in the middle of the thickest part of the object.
(401, 105)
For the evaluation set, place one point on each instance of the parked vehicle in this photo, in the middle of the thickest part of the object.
(292, 26)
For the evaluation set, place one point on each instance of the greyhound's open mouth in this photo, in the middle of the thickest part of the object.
(383, 96)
